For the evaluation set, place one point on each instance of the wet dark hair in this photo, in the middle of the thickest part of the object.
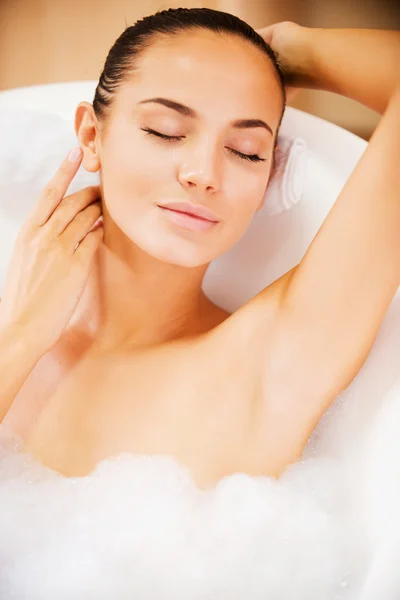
(122, 59)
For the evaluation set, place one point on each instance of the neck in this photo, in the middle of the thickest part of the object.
(131, 297)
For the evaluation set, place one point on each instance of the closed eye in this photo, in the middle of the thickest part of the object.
(176, 138)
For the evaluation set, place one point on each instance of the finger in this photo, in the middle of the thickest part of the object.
(291, 93)
(69, 209)
(85, 250)
(80, 226)
(266, 33)
(55, 190)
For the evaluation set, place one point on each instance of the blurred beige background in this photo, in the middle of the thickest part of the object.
(46, 41)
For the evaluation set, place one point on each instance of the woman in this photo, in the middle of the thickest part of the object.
(108, 342)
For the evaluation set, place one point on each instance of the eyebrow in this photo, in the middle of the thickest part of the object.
(189, 112)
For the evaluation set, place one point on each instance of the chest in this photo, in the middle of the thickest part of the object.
(190, 401)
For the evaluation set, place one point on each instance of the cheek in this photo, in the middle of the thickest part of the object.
(241, 204)
(246, 194)
(133, 176)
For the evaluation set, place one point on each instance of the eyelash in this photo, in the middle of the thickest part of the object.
(172, 138)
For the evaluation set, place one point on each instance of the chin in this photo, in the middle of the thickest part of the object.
(182, 255)
(175, 250)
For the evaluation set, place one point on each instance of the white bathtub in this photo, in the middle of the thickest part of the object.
(329, 529)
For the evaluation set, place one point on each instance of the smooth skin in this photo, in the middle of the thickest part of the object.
(297, 343)
(334, 301)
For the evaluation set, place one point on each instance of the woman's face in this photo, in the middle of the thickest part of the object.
(220, 80)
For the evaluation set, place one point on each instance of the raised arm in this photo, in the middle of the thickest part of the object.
(338, 295)
(336, 298)
(362, 64)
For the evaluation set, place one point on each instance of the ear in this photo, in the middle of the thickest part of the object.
(87, 131)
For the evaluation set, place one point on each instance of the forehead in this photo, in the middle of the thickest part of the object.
(209, 72)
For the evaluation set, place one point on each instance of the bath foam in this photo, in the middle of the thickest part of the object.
(138, 527)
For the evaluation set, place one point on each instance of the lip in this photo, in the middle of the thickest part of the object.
(201, 212)
(186, 221)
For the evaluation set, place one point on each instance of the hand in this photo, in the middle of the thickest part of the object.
(289, 41)
(51, 258)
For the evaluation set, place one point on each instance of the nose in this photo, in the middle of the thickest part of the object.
(199, 168)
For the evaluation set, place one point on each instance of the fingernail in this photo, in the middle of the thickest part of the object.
(75, 154)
